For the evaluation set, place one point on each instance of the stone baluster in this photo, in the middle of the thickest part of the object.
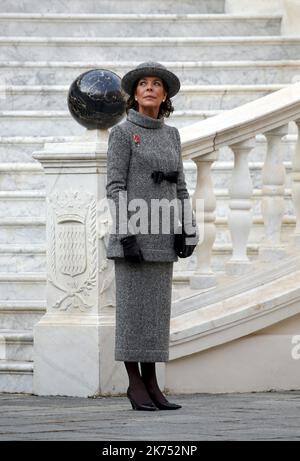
(204, 202)
(240, 215)
(273, 206)
(295, 237)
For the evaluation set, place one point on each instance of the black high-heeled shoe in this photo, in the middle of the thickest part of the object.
(147, 406)
(163, 406)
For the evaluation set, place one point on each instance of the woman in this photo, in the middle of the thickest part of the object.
(144, 162)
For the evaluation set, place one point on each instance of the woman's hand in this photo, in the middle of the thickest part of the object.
(185, 243)
(132, 251)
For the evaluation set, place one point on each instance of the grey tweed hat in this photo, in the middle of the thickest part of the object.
(152, 69)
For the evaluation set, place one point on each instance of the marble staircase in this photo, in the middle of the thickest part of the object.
(144, 25)
(107, 6)
(222, 60)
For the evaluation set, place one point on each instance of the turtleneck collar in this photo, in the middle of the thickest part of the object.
(144, 120)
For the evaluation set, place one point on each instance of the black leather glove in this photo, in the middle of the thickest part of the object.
(183, 247)
(132, 251)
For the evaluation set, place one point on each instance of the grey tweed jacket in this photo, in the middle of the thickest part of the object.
(136, 148)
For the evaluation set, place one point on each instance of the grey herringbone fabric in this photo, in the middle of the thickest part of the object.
(143, 309)
(136, 147)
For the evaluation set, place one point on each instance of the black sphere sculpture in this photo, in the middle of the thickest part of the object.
(96, 99)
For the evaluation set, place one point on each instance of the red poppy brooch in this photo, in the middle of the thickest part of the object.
(137, 139)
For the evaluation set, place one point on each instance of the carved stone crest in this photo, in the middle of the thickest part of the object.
(72, 256)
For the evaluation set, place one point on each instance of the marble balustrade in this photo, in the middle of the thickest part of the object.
(204, 151)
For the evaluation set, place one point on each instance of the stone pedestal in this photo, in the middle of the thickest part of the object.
(74, 341)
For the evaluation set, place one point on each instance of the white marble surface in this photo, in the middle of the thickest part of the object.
(31, 123)
(14, 179)
(23, 262)
(51, 71)
(17, 346)
(19, 149)
(61, 123)
(244, 121)
(22, 232)
(138, 25)
(190, 97)
(16, 381)
(255, 363)
(74, 341)
(16, 319)
(67, 360)
(291, 17)
(22, 286)
(249, 311)
(190, 72)
(117, 6)
(253, 7)
(186, 49)
(22, 203)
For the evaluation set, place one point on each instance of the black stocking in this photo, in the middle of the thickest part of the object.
(149, 378)
(136, 383)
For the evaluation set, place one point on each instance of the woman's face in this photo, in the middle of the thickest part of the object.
(150, 92)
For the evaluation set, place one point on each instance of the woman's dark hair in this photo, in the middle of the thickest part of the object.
(165, 109)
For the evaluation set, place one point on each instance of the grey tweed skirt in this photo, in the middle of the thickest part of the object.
(143, 310)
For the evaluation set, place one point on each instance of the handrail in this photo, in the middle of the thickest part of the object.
(241, 123)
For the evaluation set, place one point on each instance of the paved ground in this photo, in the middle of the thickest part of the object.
(258, 416)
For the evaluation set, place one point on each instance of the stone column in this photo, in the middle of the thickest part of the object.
(240, 215)
(295, 237)
(204, 277)
(74, 341)
(273, 206)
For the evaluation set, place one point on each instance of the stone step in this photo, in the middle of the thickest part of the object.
(31, 287)
(116, 6)
(190, 72)
(20, 176)
(16, 376)
(146, 48)
(227, 286)
(26, 203)
(16, 315)
(28, 230)
(30, 257)
(21, 253)
(16, 345)
(20, 148)
(25, 286)
(25, 258)
(22, 230)
(61, 123)
(141, 25)
(190, 97)
(186, 48)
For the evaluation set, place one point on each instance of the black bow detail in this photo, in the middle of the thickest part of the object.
(158, 176)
